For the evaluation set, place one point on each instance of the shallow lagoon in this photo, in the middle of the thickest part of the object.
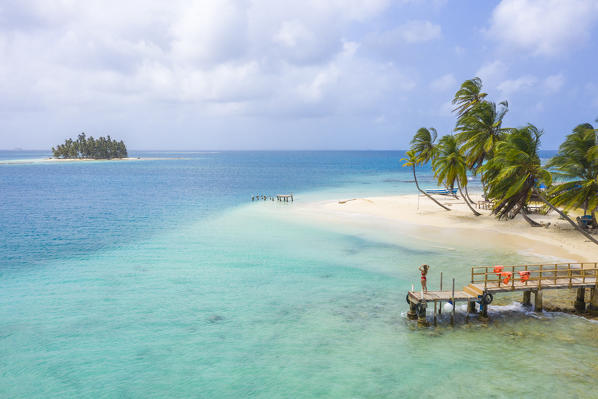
(198, 292)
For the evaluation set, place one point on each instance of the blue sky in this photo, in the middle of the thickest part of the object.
(271, 74)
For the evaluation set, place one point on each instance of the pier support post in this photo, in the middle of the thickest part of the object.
(421, 315)
(440, 303)
(412, 314)
(454, 304)
(483, 312)
(527, 298)
(471, 307)
(580, 300)
(593, 308)
(538, 306)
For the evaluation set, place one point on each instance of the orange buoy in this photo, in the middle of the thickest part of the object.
(506, 277)
(498, 269)
(524, 275)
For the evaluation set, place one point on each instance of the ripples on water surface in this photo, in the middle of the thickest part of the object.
(160, 279)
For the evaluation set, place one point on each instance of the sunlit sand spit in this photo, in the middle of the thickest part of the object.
(63, 160)
(557, 241)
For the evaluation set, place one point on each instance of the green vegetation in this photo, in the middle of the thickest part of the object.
(507, 160)
(90, 148)
(449, 166)
(422, 151)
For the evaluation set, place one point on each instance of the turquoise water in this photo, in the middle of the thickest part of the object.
(162, 279)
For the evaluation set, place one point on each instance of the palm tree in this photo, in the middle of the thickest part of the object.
(577, 163)
(421, 152)
(450, 168)
(479, 130)
(515, 172)
(468, 95)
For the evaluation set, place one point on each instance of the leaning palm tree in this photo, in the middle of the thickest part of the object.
(577, 164)
(515, 173)
(422, 150)
(479, 131)
(468, 95)
(450, 167)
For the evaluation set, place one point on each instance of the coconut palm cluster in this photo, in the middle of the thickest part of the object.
(507, 161)
(89, 148)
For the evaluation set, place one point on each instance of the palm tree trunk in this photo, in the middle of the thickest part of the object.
(467, 194)
(476, 213)
(484, 190)
(567, 218)
(532, 223)
(424, 193)
(585, 207)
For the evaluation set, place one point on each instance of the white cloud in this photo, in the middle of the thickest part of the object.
(230, 57)
(427, 3)
(491, 73)
(411, 32)
(553, 83)
(443, 83)
(546, 27)
(204, 33)
(418, 31)
(446, 109)
(512, 86)
(292, 33)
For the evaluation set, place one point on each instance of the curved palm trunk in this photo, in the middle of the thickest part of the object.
(532, 223)
(424, 193)
(485, 195)
(476, 213)
(567, 218)
(467, 195)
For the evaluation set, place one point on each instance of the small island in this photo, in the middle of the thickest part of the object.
(90, 148)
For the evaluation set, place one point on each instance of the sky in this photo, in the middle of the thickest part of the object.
(276, 75)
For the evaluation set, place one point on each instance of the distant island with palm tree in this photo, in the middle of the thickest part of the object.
(89, 148)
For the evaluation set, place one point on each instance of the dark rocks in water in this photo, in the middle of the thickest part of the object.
(214, 318)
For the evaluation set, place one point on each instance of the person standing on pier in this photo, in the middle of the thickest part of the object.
(424, 270)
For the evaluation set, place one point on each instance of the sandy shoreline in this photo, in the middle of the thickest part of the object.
(60, 160)
(427, 222)
(557, 242)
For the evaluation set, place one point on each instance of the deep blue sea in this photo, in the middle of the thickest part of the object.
(160, 278)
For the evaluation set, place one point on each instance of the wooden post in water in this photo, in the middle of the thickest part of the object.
(435, 324)
(440, 304)
(421, 314)
(538, 306)
(471, 307)
(527, 298)
(412, 314)
(467, 315)
(580, 300)
(593, 307)
(453, 300)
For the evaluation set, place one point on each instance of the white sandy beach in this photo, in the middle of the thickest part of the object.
(557, 242)
(66, 160)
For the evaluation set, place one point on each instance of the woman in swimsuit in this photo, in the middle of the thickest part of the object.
(424, 270)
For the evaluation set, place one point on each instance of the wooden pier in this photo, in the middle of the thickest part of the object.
(486, 281)
(285, 197)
